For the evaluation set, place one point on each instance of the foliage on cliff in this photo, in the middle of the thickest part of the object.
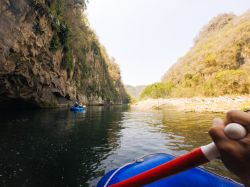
(62, 58)
(102, 76)
(218, 63)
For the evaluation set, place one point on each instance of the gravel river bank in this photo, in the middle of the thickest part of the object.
(196, 104)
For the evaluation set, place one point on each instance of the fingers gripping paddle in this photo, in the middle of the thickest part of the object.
(189, 160)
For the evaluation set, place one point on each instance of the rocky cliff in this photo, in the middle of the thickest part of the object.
(50, 57)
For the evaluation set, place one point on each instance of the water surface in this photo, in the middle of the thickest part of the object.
(60, 148)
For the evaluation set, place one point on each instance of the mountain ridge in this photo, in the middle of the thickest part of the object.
(135, 91)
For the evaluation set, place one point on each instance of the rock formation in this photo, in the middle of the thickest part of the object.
(31, 73)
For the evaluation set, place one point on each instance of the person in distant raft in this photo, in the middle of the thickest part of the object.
(76, 104)
(234, 154)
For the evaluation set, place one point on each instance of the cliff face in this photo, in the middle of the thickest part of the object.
(38, 62)
(219, 61)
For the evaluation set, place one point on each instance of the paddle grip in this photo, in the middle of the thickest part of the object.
(233, 130)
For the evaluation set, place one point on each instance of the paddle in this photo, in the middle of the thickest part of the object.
(187, 161)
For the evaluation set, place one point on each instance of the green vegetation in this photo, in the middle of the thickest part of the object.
(132, 99)
(230, 82)
(218, 64)
(157, 90)
(84, 59)
(54, 43)
(67, 60)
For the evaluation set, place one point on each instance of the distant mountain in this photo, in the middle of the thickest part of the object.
(135, 91)
(218, 63)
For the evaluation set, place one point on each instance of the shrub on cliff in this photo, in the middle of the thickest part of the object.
(54, 43)
(229, 82)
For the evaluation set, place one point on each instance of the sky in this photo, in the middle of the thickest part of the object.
(146, 37)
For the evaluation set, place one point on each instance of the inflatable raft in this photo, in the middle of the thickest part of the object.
(196, 177)
(77, 109)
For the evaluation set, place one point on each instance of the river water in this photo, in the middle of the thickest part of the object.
(60, 148)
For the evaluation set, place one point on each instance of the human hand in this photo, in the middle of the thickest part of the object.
(235, 154)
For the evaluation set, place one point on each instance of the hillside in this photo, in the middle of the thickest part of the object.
(217, 64)
(52, 58)
(134, 91)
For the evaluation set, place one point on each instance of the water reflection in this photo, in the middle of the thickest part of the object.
(186, 131)
(190, 130)
(60, 148)
(56, 147)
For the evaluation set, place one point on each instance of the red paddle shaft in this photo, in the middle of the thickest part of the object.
(192, 159)
(182, 163)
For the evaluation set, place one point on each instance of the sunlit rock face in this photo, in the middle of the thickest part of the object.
(30, 72)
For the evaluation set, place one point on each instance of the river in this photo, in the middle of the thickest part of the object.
(60, 148)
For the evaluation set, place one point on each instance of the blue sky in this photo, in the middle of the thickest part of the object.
(146, 37)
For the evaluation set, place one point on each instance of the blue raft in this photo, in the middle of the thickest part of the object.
(195, 177)
(77, 109)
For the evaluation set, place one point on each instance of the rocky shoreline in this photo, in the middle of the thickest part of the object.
(196, 104)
